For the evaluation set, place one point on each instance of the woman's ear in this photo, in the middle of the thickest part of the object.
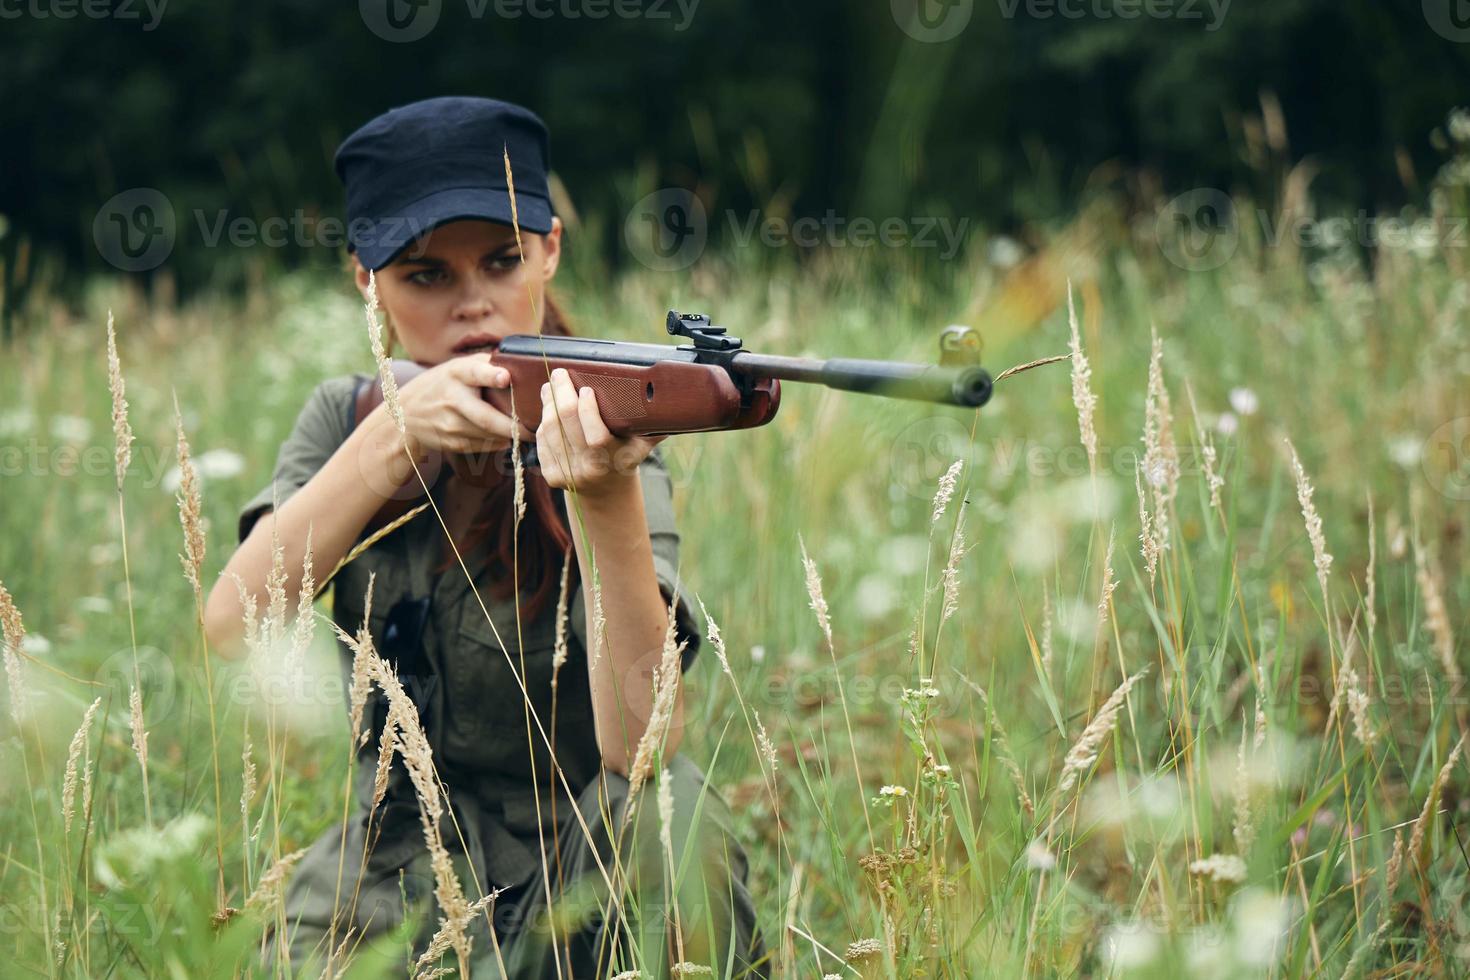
(551, 249)
(360, 274)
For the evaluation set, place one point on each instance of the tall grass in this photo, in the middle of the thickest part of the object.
(1154, 670)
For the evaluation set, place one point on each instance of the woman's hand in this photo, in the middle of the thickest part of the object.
(443, 410)
(576, 448)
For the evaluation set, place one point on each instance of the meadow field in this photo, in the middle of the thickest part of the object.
(1153, 666)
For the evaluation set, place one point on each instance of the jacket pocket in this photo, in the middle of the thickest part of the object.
(485, 717)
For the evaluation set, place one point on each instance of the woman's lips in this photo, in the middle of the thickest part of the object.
(472, 345)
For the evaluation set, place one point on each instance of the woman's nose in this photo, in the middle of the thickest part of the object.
(475, 300)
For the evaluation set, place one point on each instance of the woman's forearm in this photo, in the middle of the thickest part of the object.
(334, 505)
(636, 620)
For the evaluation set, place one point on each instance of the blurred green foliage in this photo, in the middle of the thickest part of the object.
(791, 109)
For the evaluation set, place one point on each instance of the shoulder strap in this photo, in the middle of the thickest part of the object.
(368, 394)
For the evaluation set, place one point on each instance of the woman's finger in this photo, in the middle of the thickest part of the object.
(479, 371)
(593, 427)
(485, 417)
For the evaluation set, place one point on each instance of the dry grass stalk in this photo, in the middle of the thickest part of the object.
(950, 577)
(1085, 750)
(1259, 738)
(14, 634)
(387, 745)
(456, 913)
(385, 370)
(510, 187)
(268, 891)
(767, 748)
(273, 627)
(1421, 825)
(1245, 817)
(665, 687)
(1109, 586)
(1213, 479)
(305, 627)
(1048, 614)
(1436, 617)
(1003, 748)
(1147, 540)
(945, 491)
(74, 755)
(190, 509)
(361, 685)
(368, 542)
(247, 613)
(135, 725)
(1160, 455)
(599, 620)
(1395, 866)
(1029, 365)
(122, 432)
(1082, 396)
(814, 592)
(516, 465)
(1321, 560)
(1369, 610)
(1358, 704)
(247, 780)
(559, 649)
(1348, 689)
(666, 813)
(717, 640)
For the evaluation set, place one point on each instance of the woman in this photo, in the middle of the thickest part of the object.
(430, 218)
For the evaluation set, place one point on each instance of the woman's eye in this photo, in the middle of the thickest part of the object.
(426, 277)
(505, 262)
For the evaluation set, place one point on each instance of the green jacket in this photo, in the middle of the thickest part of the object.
(473, 710)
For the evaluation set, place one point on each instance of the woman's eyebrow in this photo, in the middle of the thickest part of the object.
(430, 261)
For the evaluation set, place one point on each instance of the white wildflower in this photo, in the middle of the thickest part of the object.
(1225, 868)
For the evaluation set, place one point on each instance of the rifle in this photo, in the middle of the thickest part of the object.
(709, 384)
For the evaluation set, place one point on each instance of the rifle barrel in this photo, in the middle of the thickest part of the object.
(968, 387)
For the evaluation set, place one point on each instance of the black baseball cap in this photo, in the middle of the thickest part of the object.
(439, 160)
